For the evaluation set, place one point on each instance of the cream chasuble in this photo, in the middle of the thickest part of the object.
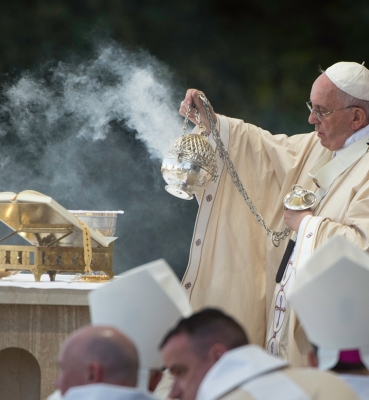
(233, 263)
(294, 384)
(248, 372)
(285, 337)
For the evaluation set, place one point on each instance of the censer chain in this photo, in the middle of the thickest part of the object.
(276, 237)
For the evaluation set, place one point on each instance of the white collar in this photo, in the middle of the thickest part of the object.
(99, 391)
(361, 133)
(236, 367)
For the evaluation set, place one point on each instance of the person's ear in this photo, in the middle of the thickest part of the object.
(359, 118)
(216, 351)
(94, 372)
(313, 359)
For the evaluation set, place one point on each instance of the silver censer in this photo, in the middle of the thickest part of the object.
(299, 199)
(190, 164)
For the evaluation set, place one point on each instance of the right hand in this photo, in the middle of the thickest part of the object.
(192, 97)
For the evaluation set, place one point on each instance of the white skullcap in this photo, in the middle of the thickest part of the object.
(352, 78)
(144, 303)
(331, 297)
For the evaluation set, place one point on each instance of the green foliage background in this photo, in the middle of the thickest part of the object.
(255, 60)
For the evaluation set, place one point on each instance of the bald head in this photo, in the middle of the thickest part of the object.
(97, 354)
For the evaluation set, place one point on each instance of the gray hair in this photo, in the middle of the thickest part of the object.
(349, 100)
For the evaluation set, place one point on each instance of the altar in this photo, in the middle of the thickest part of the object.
(35, 319)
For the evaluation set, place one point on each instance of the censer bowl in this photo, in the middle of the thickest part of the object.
(103, 222)
(184, 177)
(189, 166)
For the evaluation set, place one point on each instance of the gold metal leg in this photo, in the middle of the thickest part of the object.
(37, 274)
(52, 275)
(110, 274)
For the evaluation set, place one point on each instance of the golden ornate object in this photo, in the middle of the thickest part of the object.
(190, 164)
(94, 276)
(103, 222)
(53, 260)
(6, 273)
(299, 199)
(56, 237)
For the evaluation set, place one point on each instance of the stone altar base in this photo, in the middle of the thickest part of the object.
(31, 334)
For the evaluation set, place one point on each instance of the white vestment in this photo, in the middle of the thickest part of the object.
(359, 383)
(102, 391)
(248, 372)
(233, 264)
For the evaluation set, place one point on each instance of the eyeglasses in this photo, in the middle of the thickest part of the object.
(321, 115)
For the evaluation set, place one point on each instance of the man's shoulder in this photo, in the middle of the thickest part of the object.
(312, 373)
(296, 142)
(239, 123)
(304, 383)
(323, 382)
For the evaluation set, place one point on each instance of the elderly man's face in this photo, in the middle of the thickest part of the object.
(335, 128)
(186, 365)
(72, 372)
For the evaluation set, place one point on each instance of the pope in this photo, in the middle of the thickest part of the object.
(233, 263)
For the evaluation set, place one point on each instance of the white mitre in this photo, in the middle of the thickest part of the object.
(144, 303)
(351, 77)
(331, 298)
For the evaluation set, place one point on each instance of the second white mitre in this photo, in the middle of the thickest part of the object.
(144, 303)
(331, 297)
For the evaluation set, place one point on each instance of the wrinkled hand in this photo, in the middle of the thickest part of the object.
(192, 97)
(293, 218)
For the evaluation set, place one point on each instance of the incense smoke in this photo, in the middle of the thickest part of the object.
(115, 86)
(91, 135)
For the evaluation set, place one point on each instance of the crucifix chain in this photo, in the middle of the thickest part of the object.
(275, 236)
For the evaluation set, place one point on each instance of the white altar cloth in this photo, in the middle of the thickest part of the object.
(22, 289)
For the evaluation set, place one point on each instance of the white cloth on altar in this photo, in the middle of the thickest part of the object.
(22, 289)
(62, 281)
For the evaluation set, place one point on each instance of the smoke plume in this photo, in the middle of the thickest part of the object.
(91, 134)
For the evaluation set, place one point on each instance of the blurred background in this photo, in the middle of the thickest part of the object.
(90, 92)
